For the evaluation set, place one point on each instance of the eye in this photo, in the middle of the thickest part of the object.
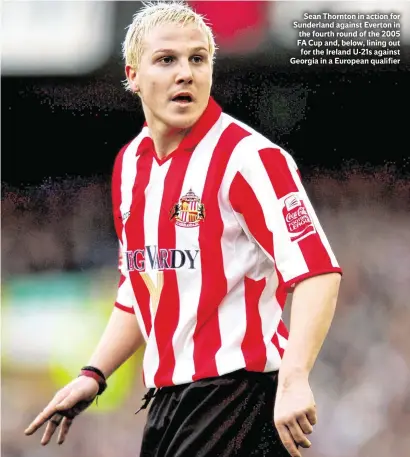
(197, 59)
(166, 60)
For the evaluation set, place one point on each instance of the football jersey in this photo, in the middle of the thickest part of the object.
(212, 239)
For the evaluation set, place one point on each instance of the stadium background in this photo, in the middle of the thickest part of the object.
(64, 117)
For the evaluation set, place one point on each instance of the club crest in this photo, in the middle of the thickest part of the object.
(189, 211)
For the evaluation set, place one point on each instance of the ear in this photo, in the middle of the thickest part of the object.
(133, 78)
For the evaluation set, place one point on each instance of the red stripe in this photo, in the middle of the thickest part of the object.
(124, 308)
(122, 280)
(275, 341)
(214, 283)
(282, 330)
(277, 168)
(315, 254)
(281, 291)
(244, 201)
(135, 233)
(253, 346)
(166, 320)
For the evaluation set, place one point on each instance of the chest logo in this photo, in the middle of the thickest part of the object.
(189, 211)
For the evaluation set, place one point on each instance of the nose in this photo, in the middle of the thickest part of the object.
(184, 74)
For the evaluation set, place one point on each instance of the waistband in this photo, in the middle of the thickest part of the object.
(267, 378)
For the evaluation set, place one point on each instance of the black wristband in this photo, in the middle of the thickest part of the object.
(95, 370)
(97, 375)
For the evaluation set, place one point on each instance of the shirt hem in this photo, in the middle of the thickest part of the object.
(289, 285)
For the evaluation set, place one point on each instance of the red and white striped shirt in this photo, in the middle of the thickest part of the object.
(211, 240)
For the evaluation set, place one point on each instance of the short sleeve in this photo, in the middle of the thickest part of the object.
(272, 205)
(125, 299)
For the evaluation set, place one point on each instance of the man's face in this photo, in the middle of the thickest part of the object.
(175, 60)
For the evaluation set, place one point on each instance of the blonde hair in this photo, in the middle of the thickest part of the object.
(153, 14)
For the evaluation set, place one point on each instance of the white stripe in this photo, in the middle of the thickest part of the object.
(153, 198)
(239, 255)
(258, 141)
(282, 341)
(270, 312)
(125, 295)
(190, 281)
(232, 325)
(129, 172)
(128, 176)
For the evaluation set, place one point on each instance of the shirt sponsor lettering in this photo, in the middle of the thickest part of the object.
(161, 259)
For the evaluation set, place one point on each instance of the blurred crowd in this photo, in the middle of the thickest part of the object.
(62, 225)
(361, 380)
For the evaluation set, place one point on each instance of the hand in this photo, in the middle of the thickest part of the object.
(67, 403)
(295, 413)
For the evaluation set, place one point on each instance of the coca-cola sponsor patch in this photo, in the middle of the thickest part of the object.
(298, 221)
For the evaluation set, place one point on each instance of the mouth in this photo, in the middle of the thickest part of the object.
(183, 99)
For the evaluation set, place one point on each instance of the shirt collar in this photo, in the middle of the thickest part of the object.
(198, 131)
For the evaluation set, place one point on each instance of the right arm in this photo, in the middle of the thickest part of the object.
(122, 336)
(120, 340)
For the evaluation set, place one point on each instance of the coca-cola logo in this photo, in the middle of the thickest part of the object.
(293, 215)
(298, 221)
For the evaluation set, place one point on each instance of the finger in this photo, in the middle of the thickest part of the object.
(43, 417)
(287, 440)
(305, 425)
(51, 427)
(311, 415)
(64, 429)
(297, 434)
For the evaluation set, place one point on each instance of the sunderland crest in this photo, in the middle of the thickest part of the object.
(189, 211)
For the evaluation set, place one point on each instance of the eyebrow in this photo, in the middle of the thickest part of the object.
(172, 51)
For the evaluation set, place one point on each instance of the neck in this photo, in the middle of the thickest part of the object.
(166, 140)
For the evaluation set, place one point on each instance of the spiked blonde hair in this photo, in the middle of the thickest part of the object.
(153, 14)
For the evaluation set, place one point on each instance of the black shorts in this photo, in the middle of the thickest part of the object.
(231, 415)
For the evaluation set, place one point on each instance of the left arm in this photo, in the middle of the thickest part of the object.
(272, 205)
(312, 310)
